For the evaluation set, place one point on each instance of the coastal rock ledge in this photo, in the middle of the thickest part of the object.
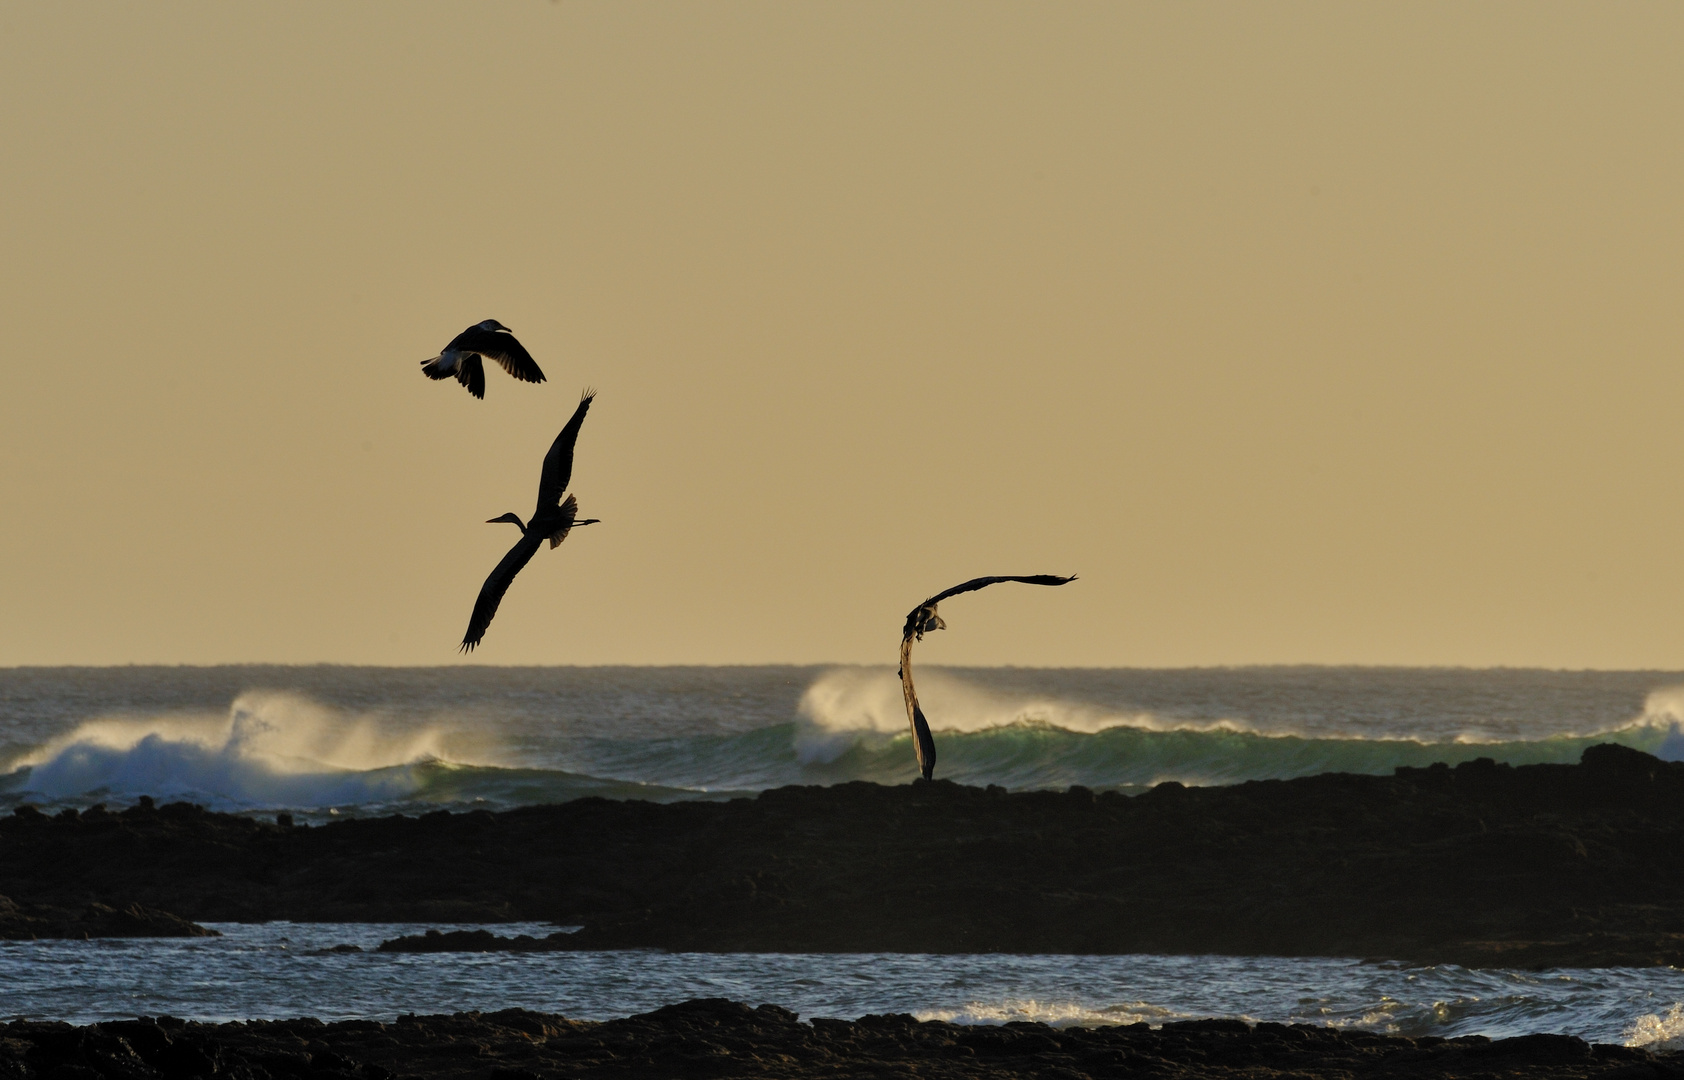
(718, 1038)
(1481, 865)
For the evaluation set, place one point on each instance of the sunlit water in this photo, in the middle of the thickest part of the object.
(277, 970)
(326, 742)
(319, 740)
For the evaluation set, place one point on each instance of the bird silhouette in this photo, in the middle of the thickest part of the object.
(491, 340)
(552, 521)
(923, 619)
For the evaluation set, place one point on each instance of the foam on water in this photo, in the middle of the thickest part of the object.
(1059, 1014)
(373, 740)
(270, 749)
(275, 970)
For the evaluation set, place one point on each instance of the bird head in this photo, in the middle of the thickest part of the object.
(513, 519)
(493, 324)
(922, 621)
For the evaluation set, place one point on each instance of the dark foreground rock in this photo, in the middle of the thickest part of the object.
(718, 1038)
(1482, 864)
(27, 922)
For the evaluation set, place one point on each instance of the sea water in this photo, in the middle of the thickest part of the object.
(279, 970)
(328, 742)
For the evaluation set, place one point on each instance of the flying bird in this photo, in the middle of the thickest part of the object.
(923, 619)
(490, 340)
(552, 521)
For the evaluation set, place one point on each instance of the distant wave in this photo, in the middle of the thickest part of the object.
(855, 718)
(285, 751)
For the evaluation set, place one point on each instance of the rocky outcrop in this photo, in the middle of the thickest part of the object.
(25, 922)
(1481, 864)
(718, 1038)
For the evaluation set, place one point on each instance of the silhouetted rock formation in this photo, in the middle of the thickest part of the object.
(25, 922)
(717, 1038)
(1480, 864)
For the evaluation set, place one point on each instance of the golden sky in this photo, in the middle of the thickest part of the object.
(1323, 333)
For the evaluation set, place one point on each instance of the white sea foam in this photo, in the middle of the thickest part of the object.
(1058, 1014)
(1657, 1032)
(1664, 708)
(845, 707)
(269, 749)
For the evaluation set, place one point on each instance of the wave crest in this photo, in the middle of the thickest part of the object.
(271, 749)
(849, 707)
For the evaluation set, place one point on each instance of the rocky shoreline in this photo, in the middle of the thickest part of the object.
(1481, 865)
(719, 1038)
(32, 922)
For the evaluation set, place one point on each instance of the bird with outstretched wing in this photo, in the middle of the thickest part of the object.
(923, 619)
(554, 518)
(491, 340)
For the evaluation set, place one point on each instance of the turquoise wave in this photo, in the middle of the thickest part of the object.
(1019, 756)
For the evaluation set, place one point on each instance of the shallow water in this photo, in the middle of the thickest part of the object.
(276, 970)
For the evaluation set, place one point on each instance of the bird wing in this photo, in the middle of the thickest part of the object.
(982, 583)
(491, 593)
(501, 346)
(471, 373)
(921, 738)
(922, 741)
(558, 463)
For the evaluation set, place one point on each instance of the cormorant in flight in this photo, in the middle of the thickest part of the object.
(552, 521)
(491, 340)
(922, 619)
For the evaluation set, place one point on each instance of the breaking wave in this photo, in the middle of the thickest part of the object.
(286, 750)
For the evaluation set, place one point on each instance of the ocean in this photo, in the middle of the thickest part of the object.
(329, 742)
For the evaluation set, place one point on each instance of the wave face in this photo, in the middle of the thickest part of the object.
(328, 741)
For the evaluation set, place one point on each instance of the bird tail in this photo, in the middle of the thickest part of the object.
(434, 368)
(569, 514)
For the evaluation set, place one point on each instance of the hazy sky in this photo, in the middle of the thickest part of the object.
(1322, 333)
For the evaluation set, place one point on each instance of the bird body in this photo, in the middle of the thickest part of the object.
(922, 620)
(553, 519)
(490, 340)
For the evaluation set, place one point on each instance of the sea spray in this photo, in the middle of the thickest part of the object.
(384, 740)
(1658, 1031)
(270, 749)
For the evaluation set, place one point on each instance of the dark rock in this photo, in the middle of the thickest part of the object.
(1483, 865)
(718, 1037)
(24, 922)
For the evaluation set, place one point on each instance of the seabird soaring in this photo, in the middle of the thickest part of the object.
(552, 521)
(491, 340)
(923, 618)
